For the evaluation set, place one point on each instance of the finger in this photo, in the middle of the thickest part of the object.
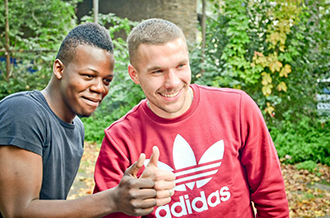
(134, 169)
(140, 207)
(166, 193)
(165, 175)
(142, 211)
(161, 185)
(144, 192)
(142, 183)
(141, 160)
(144, 203)
(154, 157)
(163, 201)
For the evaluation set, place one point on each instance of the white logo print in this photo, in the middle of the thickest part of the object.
(188, 172)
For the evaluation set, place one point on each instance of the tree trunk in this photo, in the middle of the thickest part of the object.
(181, 12)
(203, 33)
(96, 10)
(8, 71)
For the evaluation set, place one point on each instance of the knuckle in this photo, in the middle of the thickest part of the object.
(135, 204)
(154, 193)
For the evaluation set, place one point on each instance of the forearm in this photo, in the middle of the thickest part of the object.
(267, 186)
(270, 200)
(97, 205)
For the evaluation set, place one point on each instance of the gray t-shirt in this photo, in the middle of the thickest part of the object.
(26, 121)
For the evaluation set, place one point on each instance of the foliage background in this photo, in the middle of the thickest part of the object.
(273, 50)
(38, 28)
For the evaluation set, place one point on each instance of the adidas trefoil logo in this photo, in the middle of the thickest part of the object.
(188, 172)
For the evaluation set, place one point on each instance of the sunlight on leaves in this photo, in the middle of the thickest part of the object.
(285, 70)
(282, 87)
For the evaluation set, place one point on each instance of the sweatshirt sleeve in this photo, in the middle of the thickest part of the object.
(259, 157)
(110, 167)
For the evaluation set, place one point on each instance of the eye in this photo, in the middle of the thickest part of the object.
(88, 76)
(181, 65)
(107, 81)
(157, 71)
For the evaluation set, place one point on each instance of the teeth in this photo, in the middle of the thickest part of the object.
(170, 95)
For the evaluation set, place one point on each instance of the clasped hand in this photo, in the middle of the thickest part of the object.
(139, 196)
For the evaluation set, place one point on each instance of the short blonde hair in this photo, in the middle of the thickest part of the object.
(154, 32)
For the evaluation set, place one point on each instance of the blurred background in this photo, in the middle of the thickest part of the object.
(277, 51)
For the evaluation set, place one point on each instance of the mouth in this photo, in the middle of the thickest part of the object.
(92, 101)
(170, 95)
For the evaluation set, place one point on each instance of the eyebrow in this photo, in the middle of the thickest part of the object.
(184, 61)
(97, 72)
(152, 68)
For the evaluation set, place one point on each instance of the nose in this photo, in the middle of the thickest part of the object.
(98, 86)
(171, 79)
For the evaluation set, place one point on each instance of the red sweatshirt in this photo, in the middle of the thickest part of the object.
(220, 151)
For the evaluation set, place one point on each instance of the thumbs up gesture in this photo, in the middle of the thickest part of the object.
(164, 180)
(137, 196)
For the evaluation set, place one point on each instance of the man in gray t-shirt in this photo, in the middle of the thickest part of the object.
(41, 140)
(27, 122)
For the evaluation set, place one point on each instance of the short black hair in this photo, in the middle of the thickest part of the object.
(84, 34)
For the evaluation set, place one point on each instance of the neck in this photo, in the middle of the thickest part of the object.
(57, 107)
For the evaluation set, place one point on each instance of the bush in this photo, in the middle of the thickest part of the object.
(298, 142)
(309, 165)
(35, 33)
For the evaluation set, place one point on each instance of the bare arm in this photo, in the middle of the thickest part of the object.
(20, 184)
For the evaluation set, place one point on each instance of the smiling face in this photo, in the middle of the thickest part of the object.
(163, 72)
(83, 82)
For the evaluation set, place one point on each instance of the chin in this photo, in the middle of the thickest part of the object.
(84, 114)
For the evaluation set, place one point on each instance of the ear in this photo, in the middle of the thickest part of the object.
(58, 68)
(133, 74)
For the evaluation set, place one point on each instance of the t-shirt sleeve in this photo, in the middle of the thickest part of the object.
(259, 157)
(22, 124)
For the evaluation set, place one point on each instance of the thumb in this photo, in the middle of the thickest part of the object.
(154, 157)
(134, 169)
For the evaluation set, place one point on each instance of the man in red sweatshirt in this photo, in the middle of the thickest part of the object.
(214, 140)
